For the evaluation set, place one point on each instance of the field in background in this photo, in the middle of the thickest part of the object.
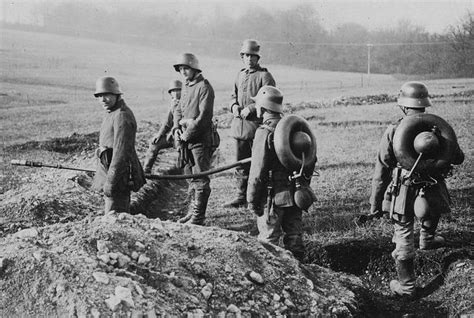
(47, 81)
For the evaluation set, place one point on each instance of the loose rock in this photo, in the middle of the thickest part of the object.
(101, 277)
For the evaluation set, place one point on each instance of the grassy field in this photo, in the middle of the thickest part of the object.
(46, 86)
(47, 83)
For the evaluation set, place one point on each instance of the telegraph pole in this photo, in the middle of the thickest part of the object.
(369, 46)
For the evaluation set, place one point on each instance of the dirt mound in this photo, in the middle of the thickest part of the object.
(133, 265)
(47, 198)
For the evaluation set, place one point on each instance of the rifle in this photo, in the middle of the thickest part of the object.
(395, 188)
(269, 194)
(392, 192)
(37, 164)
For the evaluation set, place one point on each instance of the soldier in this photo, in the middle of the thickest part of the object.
(164, 138)
(192, 128)
(277, 211)
(413, 100)
(118, 171)
(245, 122)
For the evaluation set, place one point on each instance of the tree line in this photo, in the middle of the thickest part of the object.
(292, 37)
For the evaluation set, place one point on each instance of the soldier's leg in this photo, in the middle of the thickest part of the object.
(118, 203)
(404, 255)
(243, 150)
(202, 188)
(269, 226)
(190, 195)
(438, 201)
(152, 152)
(292, 225)
(428, 238)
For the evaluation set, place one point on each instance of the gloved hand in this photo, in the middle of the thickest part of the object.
(235, 110)
(245, 112)
(256, 209)
(185, 122)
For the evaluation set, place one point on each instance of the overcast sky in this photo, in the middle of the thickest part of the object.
(433, 15)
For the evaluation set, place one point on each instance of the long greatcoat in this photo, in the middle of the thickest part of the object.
(123, 171)
(247, 84)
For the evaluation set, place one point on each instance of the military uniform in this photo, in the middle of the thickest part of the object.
(162, 140)
(281, 216)
(118, 171)
(403, 208)
(247, 84)
(196, 108)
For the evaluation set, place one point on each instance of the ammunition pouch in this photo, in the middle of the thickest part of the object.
(402, 212)
(283, 190)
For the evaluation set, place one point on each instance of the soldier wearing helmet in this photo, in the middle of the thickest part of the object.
(164, 138)
(270, 194)
(192, 128)
(245, 122)
(118, 170)
(398, 191)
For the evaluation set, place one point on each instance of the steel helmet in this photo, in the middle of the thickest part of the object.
(270, 98)
(175, 85)
(250, 47)
(414, 95)
(107, 84)
(187, 59)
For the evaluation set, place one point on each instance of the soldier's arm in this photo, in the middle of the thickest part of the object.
(167, 125)
(124, 141)
(259, 167)
(234, 97)
(384, 165)
(177, 116)
(206, 105)
(267, 79)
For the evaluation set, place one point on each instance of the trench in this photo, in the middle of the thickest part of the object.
(368, 259)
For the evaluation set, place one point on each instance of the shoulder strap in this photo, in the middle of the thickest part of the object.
(271, 130)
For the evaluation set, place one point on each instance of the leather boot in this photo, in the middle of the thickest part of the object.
(405, 285)
(190, 195)
(241, 200)
(436, 242)
(428, 238)
(199, 207)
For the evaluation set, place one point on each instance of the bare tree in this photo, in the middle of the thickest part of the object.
(462, 42)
